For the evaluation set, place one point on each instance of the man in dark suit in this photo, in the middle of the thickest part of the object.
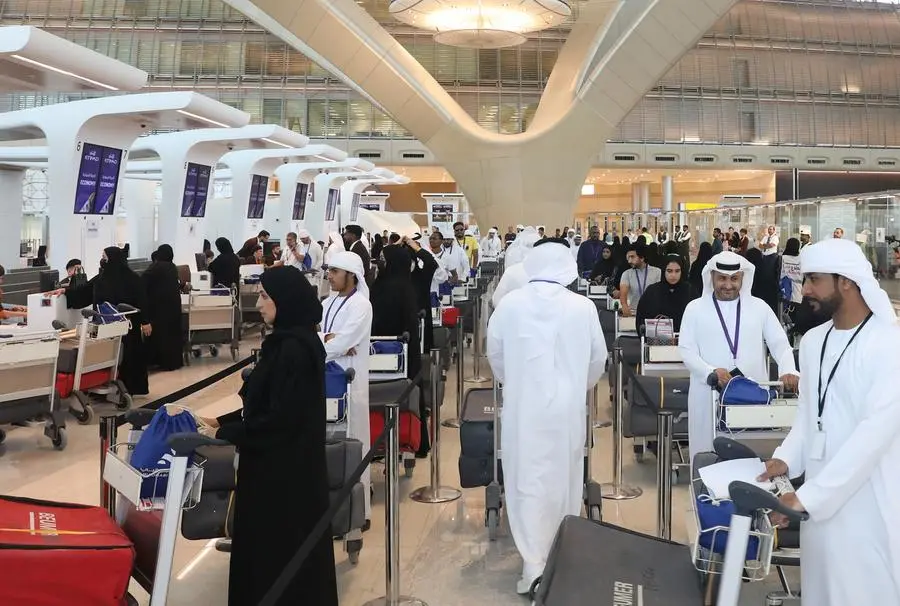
(353, 242)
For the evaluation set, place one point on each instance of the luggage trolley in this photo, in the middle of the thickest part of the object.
(28, 361)
(626, 326)
(94, 360)
(136, 514)
(590, 561)
(388, 358)
(247, 299)
(213, 320)
(662, 361)
(757, 550)
(769, 416)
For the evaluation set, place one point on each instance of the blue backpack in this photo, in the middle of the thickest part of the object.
(152, 452)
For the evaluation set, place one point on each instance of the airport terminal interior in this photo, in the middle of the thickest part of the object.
(189, 135)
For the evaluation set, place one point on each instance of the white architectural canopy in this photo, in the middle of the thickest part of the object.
(616, 51)
(34, 60)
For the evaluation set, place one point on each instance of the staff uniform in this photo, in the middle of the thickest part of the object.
(851, 542)
(350, 320)
(547, 362)
(735, 339)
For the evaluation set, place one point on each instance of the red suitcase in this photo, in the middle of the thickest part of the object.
(449, 316)
(410, 429)
(60, 554)
(65, 382)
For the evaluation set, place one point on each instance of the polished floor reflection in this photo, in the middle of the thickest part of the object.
(446, 557)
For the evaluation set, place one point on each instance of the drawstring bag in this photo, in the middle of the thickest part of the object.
(743, 391)
(307, 262)
(445, 289)
(659, 331)
(106, 313)
(152, 451)
(787, 288)
(715, 515)
(337, 384)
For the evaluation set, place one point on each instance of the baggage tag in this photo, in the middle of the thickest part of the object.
(817, 446)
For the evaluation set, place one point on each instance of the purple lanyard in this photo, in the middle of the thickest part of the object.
(642, 287)
(328, 327)
(732, 345)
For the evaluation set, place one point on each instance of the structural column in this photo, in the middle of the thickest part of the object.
(139, 197)
(11, 217)
(667, 194)
(645, 196)
(636, 197)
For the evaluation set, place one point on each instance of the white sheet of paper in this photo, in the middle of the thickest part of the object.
(717, 477)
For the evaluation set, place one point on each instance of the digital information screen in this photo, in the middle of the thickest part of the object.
(331, 207)
(88, 175)
(196, 189)
(256, 206)
(301, 195)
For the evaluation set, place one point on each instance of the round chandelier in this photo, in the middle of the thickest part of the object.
(481, 23)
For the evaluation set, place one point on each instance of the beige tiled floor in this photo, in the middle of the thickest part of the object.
(446, 558)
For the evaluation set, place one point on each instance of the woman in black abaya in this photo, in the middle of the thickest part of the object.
(281, 441)
(115, 284)
(669, 297)
(165, 347)
(394, 303)
(225, 270)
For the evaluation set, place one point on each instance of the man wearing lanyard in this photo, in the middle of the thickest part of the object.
(726, 332)
(345, 331)
(635, 281)
(846, 436)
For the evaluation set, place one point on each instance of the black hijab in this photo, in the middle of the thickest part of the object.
(224, 246)
(115, 260)
(704, 254)
(165, 254)
(397, 264)
(296, 303)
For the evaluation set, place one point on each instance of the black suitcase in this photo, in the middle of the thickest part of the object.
(476, 440)
(212, 518)
(646, 397)
(607, 322)
(592, 563)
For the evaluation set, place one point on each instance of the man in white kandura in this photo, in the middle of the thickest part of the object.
(726, 332)
(490, 247)
(346, 331)
(846, 437)
(514, 275)
(546, 346)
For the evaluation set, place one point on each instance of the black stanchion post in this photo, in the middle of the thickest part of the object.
(477, 337)
(435, 493)
(664, 428)
(460, 374)
(392, 595)
(617, 491)
(108, 436)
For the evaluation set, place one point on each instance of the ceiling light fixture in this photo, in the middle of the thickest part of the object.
(63, 72)
(481, 23)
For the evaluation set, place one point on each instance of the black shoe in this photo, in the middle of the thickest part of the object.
(367, 526)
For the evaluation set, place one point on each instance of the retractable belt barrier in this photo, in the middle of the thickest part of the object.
(192, 388)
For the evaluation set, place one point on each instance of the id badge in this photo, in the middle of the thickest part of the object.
(817, 449)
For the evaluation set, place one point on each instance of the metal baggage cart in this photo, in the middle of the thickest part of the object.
(388, 366)
(754, 537)
(626, 326)
(184, 481)
(98, 346)
(248, 311)
(28, 361)
(770, 421)
(213, 321)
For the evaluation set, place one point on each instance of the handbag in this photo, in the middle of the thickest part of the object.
(152, 451)
(659, 331)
